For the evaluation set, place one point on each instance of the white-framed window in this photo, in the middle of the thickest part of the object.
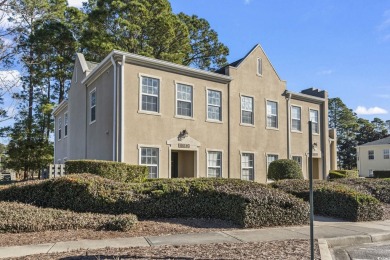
(214, 164)
(150, 94)
(272, 114)
(271, 158)
(296, 118)
(247, 166)
(298, 159)
(247, 110)
(386, 154)
(314, 121)
(214, 105)
(59, 128)
(66, 124)
(371, 155)
(184, 100)
(150, 157)
(92, 105)
(259, 67)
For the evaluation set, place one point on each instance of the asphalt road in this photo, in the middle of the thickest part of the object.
(377, 251)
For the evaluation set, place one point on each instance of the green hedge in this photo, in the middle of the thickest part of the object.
(112, 170)
(379, 188)
(339, 174)
(246, 203)
(335, 199)
(284, 169)
(382, 174)
(18, 217)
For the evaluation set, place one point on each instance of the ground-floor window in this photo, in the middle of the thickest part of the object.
(271, 158)
(214, 164)
(247, 166)
(149, 157)
(298, 159)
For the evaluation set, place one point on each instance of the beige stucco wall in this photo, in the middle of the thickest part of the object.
(151, 130)
(379, 163)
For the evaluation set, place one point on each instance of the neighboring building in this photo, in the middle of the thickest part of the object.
(388, 125)
(186, 122)
(373, 156)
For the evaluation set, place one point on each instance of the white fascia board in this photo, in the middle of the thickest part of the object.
(60, 107)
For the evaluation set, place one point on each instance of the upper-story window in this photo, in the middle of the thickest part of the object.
(247, 110)
(272, 114)
(371, 155)
(386, 154)
(59, 128)
(92, 101)
(150, 89)
(214, 111)
(314, 121)
(296, 118)
(184, 100)
(66, 124)
(259, 67)
(214, 164)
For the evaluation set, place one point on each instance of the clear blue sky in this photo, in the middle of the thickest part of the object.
(342, 46)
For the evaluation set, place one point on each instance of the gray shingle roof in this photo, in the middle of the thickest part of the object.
(385, 140)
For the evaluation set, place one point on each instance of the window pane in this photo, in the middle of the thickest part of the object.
(214, 164)
(184, 108)
(93, 114)
(247, 117)
(272, 114)
(149, 157)
(149, 103)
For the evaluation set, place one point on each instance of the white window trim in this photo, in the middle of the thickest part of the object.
(140, 146)
(373, 154)
(257, 67)
(277, 115)
(291, 119)
(192, 100)
(254, 163)
(207, 161)
(207, 106)
(90, 106)
(66, 116)
(266, 160)
(140, 111)
(59, 121)
(253, 110)
(318, 119)
(388, 154)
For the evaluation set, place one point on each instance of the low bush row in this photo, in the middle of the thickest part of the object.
(118, 171)
(335, 199)
(382, 174)
(18, 217)
(248, 204)
(340, 174)
(379, 188)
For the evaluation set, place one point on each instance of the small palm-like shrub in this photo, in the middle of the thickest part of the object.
(284, 169)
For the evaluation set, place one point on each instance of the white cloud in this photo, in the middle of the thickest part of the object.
(325, 72)
(76, 3)
(361, 110)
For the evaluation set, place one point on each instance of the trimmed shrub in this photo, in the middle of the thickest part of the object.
(338, 174)
(284, 169)
(18, 217)
(117, 171)
(335, 199)
(379, 188)
(382, 174)
(246, 203)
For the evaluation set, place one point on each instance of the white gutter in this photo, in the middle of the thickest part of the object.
(114, 117)
(122, 108)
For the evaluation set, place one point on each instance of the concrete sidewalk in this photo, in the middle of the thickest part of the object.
(329, 232)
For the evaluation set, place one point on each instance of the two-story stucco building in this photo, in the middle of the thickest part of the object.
(373, 156)
(186, 122)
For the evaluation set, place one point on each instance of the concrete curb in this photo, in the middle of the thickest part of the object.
(325, 244)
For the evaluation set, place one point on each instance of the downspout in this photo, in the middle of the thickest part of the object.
(228, 118)
(288, 98)
(121, 134)
(114, 148)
